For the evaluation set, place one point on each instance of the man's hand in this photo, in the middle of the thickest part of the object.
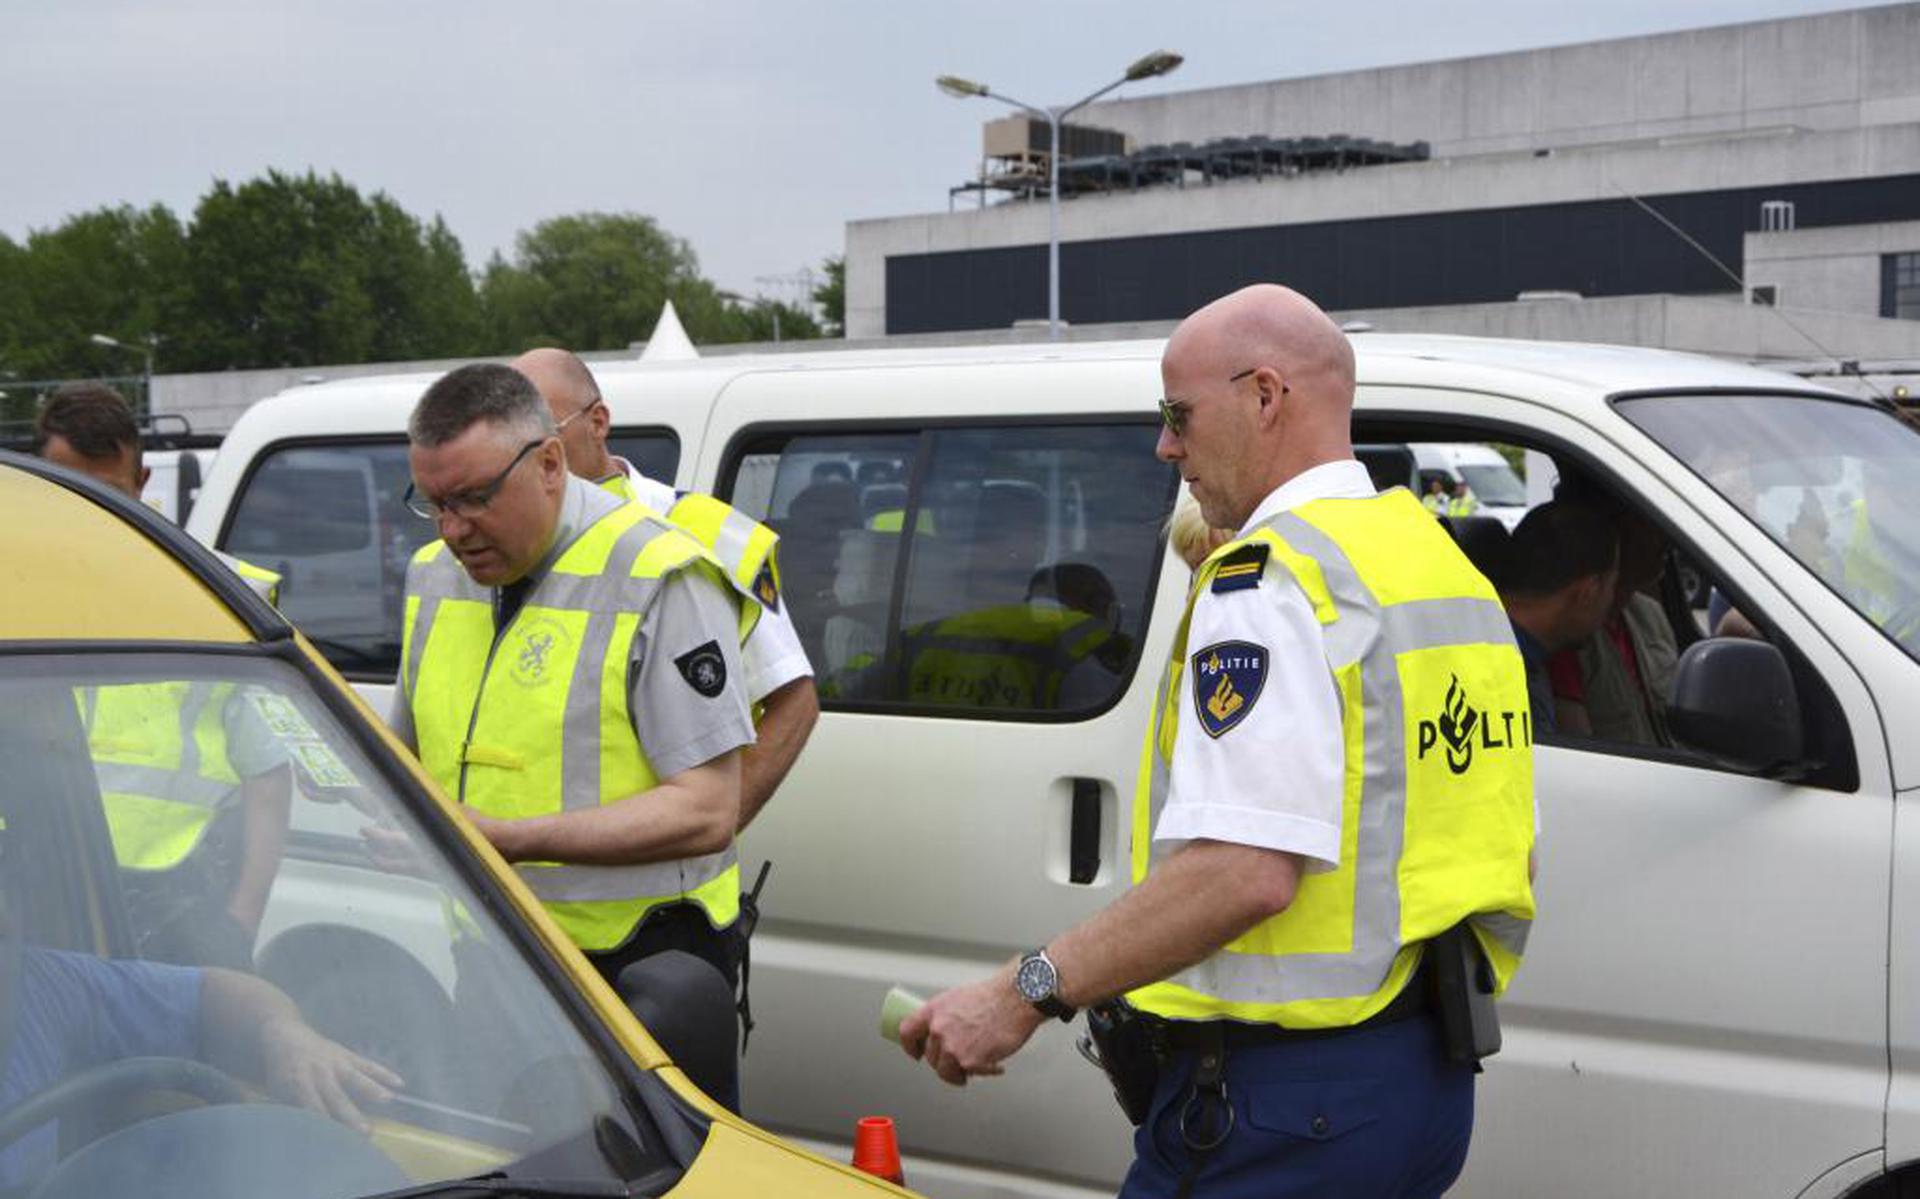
(970, 1030)
(391, 850)
(303, 1067)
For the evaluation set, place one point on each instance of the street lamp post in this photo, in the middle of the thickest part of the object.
(145, 349)
(1158, 63)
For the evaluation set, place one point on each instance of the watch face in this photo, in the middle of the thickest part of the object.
(1035, 979)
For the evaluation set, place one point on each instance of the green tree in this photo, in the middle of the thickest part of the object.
(762, 319)
(120, 272)
(597, 281)
(831, 296)
(300, 270)
(593, 281)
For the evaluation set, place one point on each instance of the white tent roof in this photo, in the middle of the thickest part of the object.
(669, 342)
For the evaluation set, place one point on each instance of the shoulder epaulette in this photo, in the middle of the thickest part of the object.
(1242, 568)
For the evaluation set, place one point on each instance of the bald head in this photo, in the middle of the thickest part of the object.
(573, 397)
(1269, 324)
(1266, 382)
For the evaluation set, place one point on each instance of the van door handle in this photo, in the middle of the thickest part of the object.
(1083, 833)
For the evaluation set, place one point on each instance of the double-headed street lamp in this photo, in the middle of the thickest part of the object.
(145, 348)
(1158, 63)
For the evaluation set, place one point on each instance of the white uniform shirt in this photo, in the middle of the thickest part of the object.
(1275, 779)
(773, 655)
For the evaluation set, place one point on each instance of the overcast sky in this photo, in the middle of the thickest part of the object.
(753, 128)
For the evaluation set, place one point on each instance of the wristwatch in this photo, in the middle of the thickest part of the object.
(1038, 982)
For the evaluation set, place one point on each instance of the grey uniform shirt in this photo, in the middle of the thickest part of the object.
(686, 690)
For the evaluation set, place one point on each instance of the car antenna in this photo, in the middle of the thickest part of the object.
(1729, 272)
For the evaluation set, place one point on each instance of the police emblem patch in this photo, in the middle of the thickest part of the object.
(704, 669)
(1227, 679)
(766, 590)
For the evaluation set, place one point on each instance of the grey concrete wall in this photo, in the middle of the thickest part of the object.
(1828, 71)
(1833, 270)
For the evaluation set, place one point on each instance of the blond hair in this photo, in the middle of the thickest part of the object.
(1190, 535)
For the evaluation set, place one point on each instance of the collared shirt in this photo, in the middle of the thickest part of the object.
(773, 655)
(1276, 779)
(678, 727)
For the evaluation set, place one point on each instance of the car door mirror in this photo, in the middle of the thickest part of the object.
(1734, 700)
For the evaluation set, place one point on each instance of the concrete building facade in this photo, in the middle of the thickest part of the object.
(1565, 169)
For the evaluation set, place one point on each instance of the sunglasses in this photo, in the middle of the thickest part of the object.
(466, 504)
(1174, 413)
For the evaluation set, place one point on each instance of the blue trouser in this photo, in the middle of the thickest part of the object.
(1372, 1113)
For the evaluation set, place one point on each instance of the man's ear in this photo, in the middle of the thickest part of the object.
(553, 466)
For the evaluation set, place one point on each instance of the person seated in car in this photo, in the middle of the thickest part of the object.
(1616, 684)
(1557, 583)
(72, 1012)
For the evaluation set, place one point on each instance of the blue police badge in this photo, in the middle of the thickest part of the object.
(1227, 678)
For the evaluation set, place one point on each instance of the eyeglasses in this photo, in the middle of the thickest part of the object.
(1173, 413)
(466, 504)
(576, 415)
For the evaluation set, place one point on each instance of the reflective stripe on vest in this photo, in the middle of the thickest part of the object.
(1014, 656)
(537, 720)
(741, 544)
(261, 581)
(160, 754)
(1437, 816)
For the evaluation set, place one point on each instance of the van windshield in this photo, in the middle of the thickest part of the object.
(226, 943)
(1828, 479)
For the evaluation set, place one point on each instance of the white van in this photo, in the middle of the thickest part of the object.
(1722, 992)
(1501, 493)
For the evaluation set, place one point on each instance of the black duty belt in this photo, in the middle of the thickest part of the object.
(1414, 999)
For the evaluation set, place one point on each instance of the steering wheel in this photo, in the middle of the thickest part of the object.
(78, 1093)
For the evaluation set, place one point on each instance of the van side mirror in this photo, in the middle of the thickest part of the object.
(1734, 700)
(686, 1005)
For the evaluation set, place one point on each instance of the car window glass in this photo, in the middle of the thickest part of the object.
(189, 824)
(654, 453)
(1830, 481)
(330, 521)
(1030, 554)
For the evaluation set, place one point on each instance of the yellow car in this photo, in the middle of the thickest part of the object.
(248, 949)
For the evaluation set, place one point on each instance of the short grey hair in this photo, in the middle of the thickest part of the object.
(482, 392)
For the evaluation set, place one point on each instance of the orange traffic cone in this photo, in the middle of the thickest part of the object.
(876, 1150)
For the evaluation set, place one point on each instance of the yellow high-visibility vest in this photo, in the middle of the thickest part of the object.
(1012, 656)
(536, 721)
(1437, 816)
(746, 549)
(160, 753)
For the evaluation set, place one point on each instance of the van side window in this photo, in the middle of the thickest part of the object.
(329, 519)
(654, 453)
(1000, 572)
(1611, 689)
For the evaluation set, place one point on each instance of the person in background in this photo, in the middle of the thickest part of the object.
(1189, 534)
(779, 679)
(1557, 583)
(199, 823)
(1618, 682)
